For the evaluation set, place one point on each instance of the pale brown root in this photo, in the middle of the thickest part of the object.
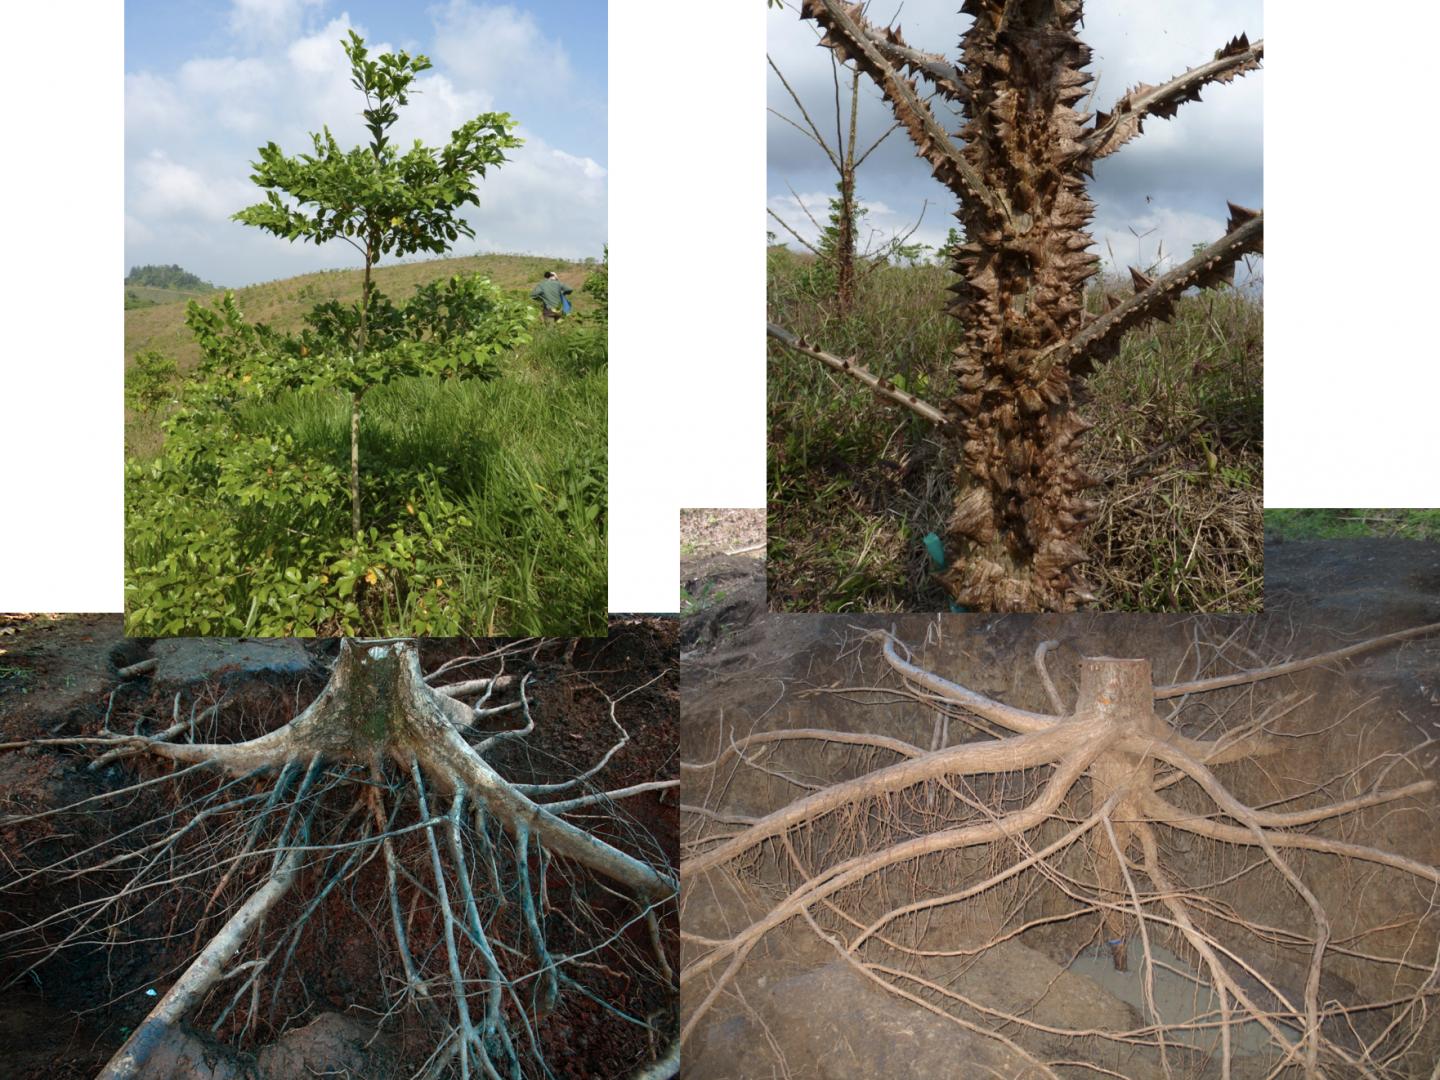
(1113, 738)
(1241, 678)
(1019, 720)
(847, 873)
(1050, 691)
(1017, 752)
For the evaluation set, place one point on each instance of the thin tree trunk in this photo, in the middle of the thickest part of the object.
(845, 228)
(355, 463)
(355, 401)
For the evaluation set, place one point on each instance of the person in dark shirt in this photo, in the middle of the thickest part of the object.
(551, 293)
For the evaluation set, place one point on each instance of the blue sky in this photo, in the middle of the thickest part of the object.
(207, 83)
(1170, 185)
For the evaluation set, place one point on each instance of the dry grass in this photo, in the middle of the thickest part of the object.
(854, 485)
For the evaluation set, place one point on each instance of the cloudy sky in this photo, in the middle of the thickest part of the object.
(1170, 184)
(209, 81)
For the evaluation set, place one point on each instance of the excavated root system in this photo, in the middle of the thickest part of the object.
(374, 831)
(1098, 827)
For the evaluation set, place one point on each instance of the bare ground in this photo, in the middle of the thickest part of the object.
(796, 1007)
(70, 1016)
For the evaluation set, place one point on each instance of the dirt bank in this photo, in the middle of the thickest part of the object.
(335, 1005)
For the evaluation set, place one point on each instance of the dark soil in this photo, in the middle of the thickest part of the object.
(70, 1016)
(1319, 595)
(721, 597)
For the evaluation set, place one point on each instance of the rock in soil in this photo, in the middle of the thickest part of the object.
(190, 660)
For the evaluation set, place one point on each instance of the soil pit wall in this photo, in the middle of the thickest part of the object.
(1374, 708)
(79, 1007)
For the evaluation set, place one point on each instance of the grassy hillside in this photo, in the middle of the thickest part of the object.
(1342, 524)
(284, 303)
(147, 296)
(854, 486)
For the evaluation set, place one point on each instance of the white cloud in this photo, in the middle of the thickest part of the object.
(268, 20)
(152, 106)
(320, 52)
(1163, 238)
(543, 192)
(170, 189)
(137, 232)
(500, 50)
(224, 76)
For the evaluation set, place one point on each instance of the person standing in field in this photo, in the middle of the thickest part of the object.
(551, 293)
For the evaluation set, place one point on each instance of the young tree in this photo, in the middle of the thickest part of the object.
(1018, 168)
(838, 244)
(375, 198)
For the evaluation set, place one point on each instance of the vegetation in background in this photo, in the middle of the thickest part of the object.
(854, 488)
(167, 277)
(1329, 524)
(150, 381)
(147, 286)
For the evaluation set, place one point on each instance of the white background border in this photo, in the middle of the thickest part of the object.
(1352, 375)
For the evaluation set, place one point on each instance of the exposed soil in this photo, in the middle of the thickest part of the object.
(68, 1017)
(709, 532)
(722, 595)
(796, 1002)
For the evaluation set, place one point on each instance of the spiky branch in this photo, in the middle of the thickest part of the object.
(1125, 119)
(882, 388)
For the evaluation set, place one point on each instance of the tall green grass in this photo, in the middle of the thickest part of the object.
(854, 485)
(1336, 524)
(521, 458)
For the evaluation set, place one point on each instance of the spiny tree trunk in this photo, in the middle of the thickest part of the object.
(1018, 167)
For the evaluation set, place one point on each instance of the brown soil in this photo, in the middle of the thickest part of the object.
(795, 1002)
(77, 1009)
(722, 595)
(710, 532)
